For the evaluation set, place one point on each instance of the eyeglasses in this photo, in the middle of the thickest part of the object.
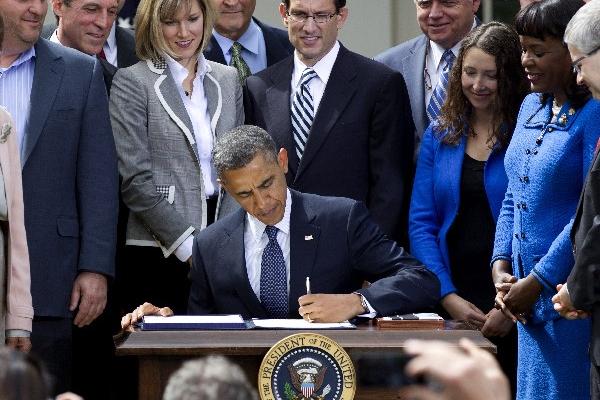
(426, 4)
(302, 18)
(577, 63)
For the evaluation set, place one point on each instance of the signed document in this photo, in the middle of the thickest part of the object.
(299, 324)
(193, 322)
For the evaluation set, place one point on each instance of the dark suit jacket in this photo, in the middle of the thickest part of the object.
(277, 44)
(346, 249)
(584, 280)
(360, 143)
(408, 58)
(69, 176)
(125, 47)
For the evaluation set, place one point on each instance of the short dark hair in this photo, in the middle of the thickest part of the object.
(502, 42)
(549, 19)
(338, 4)
(238, 147)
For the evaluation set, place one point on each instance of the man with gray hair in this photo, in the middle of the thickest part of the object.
(209, 378)
(287, 253)
(425, 61)
(580, 296)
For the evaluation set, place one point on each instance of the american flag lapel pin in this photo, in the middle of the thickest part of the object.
(308, 237)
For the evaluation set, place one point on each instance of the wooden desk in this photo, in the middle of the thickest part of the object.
(161, 353)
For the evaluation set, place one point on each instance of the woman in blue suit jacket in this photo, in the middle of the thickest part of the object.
(546, 164)
(460, 180)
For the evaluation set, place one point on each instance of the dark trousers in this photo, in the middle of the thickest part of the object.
(52, 340)
(594, 382)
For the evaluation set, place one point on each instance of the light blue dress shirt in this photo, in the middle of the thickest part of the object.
(254, 50)
(15, 90)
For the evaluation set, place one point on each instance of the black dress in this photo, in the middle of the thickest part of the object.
(470, 244)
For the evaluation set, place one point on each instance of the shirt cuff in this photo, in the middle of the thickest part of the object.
(184, 251)
(17, 333)
(372, 313)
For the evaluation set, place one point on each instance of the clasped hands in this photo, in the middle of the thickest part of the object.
(514, 297)
(313, 308)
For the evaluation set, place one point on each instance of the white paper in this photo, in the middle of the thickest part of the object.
(194, 319)
(299, 324)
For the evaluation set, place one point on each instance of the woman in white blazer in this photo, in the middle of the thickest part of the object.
(166, 112)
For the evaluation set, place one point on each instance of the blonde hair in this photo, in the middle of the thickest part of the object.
(150, 43)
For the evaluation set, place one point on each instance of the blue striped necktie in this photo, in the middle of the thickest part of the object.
(439, 94)
(273, 277)
(303, 112)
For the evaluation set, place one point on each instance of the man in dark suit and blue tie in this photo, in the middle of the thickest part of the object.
(424, 61)
(58, 98)
(256, 261)
(244, 42)
(343, 119)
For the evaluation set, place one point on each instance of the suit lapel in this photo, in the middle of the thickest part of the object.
(579, 211)
(212, 91)
(233, 254)
(213, 52)
(47, 78)
(169, 98)
(278, 120)
(304, 241)
(338, 93)
(413, 76)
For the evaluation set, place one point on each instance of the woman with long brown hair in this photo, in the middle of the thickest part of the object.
(460, 180)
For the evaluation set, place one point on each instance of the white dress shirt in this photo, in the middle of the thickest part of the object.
(110, 46)
(434, 64)
(255, 241)
(197, 108)
(317, 85)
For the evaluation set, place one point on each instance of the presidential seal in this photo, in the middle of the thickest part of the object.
(306, 366)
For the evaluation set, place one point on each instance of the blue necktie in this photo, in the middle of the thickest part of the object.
(439, 94)
(273, 277)
(303, 111)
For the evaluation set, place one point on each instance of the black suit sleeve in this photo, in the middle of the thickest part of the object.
(201, 301)
(584, 280)
(400, 283)
(390, 151)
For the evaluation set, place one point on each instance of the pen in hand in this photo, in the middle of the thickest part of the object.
(307, 285)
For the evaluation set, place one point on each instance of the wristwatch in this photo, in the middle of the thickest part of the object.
(363, 302)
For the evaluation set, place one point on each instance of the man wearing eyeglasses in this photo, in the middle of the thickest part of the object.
(343, 119)
(425, 61)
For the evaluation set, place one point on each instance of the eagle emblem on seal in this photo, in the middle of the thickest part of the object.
(307, 375)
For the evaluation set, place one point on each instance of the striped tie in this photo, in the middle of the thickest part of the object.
(303, 111)
(439, 94)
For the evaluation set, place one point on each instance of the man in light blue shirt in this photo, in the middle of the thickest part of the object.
(260, 45)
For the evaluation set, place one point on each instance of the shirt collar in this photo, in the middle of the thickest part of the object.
(250, 40)
(437, 51)
(24, 57)
(323, 67)
(179, 72)
(111, 40)
(257, 228)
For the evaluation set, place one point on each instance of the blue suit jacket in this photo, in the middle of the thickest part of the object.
(277, 44)
(436, 199)
(548, 179)
(69, 176)
(347, 248)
